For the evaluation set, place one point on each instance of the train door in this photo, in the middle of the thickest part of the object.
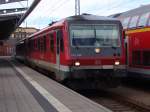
(58, 36)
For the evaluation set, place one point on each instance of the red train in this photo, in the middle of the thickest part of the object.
(79, 49)
(136, 24)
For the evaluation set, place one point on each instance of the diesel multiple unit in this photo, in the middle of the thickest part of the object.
(85, 49)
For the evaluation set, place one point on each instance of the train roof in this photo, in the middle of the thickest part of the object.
(58, 24)
(82, 17)
(137, 11)
(89, 17)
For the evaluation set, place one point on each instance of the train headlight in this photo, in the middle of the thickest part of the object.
(97, 50)
(117, 63)
(77, 63)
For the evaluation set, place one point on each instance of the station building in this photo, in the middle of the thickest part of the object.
(7, 47)
(23, 32)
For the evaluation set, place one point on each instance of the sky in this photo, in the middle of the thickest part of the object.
(53, 10)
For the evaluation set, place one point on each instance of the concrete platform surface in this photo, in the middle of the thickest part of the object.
(23, 89)
(14, 95)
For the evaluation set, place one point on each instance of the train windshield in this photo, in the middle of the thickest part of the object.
(95, 35)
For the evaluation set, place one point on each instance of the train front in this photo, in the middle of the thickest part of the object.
(96, 51)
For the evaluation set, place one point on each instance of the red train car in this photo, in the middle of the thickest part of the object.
(136, 24)
(84, 48)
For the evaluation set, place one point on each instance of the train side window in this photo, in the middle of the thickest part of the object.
(149, 21)
(136, 57)
(36, 44)
(39, 44)
(52, 42)
(32, 44)
(58, 44)
(125, 22)
(133, 22)
(44, 42)
(60, 36)
(143, 19)
(146, 58)
(29, 44)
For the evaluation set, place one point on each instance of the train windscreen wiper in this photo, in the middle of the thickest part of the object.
(114, 47)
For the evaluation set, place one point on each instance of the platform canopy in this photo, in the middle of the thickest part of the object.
(10, 1)
(12, 17)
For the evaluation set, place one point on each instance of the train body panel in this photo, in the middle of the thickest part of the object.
(139, 53)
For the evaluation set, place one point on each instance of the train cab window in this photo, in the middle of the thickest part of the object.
(52, 42)
(143, 19)
(146, 58)
(125, 22)
(136, 58)
(133, 22)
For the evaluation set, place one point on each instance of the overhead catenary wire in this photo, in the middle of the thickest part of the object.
(55, 7)
(58, 6)
(112, 7)
(51, 5)
(50, 11)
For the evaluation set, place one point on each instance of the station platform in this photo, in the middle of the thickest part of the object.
(23, 89)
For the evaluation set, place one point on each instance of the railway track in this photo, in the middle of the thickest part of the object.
(118, 101)
(133, 105)
(115, 105)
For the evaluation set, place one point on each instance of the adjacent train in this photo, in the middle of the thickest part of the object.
(87, 50)
(136, 25)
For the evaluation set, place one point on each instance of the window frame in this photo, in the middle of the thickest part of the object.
(146, 20)
(51, 41)
(38, 39)
(61, 39)
(136, 57)
(132, 20)
(126, 24)
(94, 26)
(44, 43)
